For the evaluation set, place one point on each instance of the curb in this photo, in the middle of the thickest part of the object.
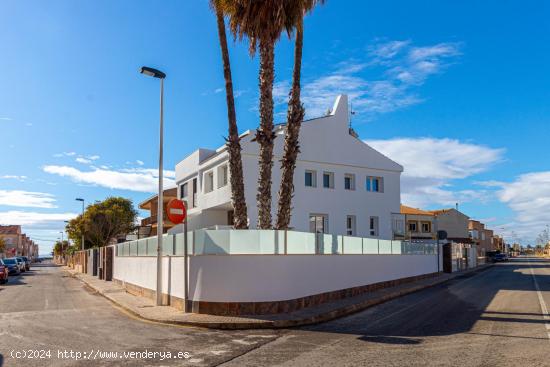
(280, 324)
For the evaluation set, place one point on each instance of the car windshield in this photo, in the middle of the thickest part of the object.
(10, 261)
(25, 258)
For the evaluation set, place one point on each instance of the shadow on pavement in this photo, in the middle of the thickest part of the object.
(450, 308)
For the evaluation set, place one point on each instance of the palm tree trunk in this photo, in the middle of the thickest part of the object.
(265, 135)
(240, 217)
(295, 115)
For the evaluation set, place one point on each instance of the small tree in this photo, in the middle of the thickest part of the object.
(2, 245)
(102, 221)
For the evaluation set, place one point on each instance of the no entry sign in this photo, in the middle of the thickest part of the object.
(176, 212)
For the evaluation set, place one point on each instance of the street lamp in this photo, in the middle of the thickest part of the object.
(159, 75)
(80, 199)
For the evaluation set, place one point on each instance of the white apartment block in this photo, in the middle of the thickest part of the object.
(342, 185)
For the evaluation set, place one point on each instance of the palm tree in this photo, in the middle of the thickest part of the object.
(240, 217)
(262, 22)
(295, 115)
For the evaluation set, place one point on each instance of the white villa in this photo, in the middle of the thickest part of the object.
(342, 185)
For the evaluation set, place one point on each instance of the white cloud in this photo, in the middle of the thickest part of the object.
(14, 177)
(83, 160)
(529, 197)
(5, 119)
(140, 162)
(34, 219)
(431, 165)
(27, 199)
(218, 90)
(93, 157)
(135, 179)
(403, 67)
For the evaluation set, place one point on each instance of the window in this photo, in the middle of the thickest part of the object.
(208, 181)
(194, 204)
(350, 225)
(373, 225)
(184, 190)
(349, 181)
(311, 178)
(222, 175)
(318, 223)
(328, 180)
(426, 227)
(413, 226)
(375, 184)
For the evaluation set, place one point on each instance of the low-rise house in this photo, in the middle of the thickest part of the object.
(13, 239)
(342, 185)
(414, 224)
(454, 223)
(481, 236)
(149, 224)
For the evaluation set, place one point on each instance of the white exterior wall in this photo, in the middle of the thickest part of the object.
(326, 145)
(141, 271)
(253, 278)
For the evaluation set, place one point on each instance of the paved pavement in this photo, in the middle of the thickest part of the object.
(47, 310)
(492, 318)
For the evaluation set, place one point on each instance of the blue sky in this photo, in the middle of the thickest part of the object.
(455, 91)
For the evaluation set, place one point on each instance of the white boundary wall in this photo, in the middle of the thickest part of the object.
(257, 278)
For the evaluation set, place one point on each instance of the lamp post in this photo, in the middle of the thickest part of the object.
(159, 75)
(80, 199)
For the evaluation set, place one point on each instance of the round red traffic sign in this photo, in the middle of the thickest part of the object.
(176, 212)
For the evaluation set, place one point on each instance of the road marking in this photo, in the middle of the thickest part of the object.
(543, 307)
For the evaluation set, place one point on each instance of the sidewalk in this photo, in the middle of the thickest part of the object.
(145, 308)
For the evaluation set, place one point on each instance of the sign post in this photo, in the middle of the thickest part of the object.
(177, 213)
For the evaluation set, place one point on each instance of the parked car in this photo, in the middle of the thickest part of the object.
(21, 264)
(4, 272)
(27, 262)
(13, 266)
(500, 257)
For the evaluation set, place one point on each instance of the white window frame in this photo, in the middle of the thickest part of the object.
(223, 175)
(330, 180)
(369, 184)
(208, 186)
(351, 230)
(374, 226)
(313, 177)
(186, 186)
(325, 221)
(351, 177)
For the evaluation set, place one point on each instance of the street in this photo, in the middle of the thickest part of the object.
(492, 318)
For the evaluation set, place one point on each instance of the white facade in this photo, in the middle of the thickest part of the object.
(330, 156)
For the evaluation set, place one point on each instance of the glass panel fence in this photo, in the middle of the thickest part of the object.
(385, 246)
(370, 246)
(329, 244)
(300, 242)
(142, 247)
(133, 248)
(352, 245)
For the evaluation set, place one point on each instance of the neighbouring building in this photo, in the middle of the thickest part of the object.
(498, 243)
(149, 224)
(481, 236)
(454, 222)
(342, 185)
(414, 224)
(17, 243)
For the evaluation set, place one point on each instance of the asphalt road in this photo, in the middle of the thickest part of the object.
(493, 318)
(45, 309)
